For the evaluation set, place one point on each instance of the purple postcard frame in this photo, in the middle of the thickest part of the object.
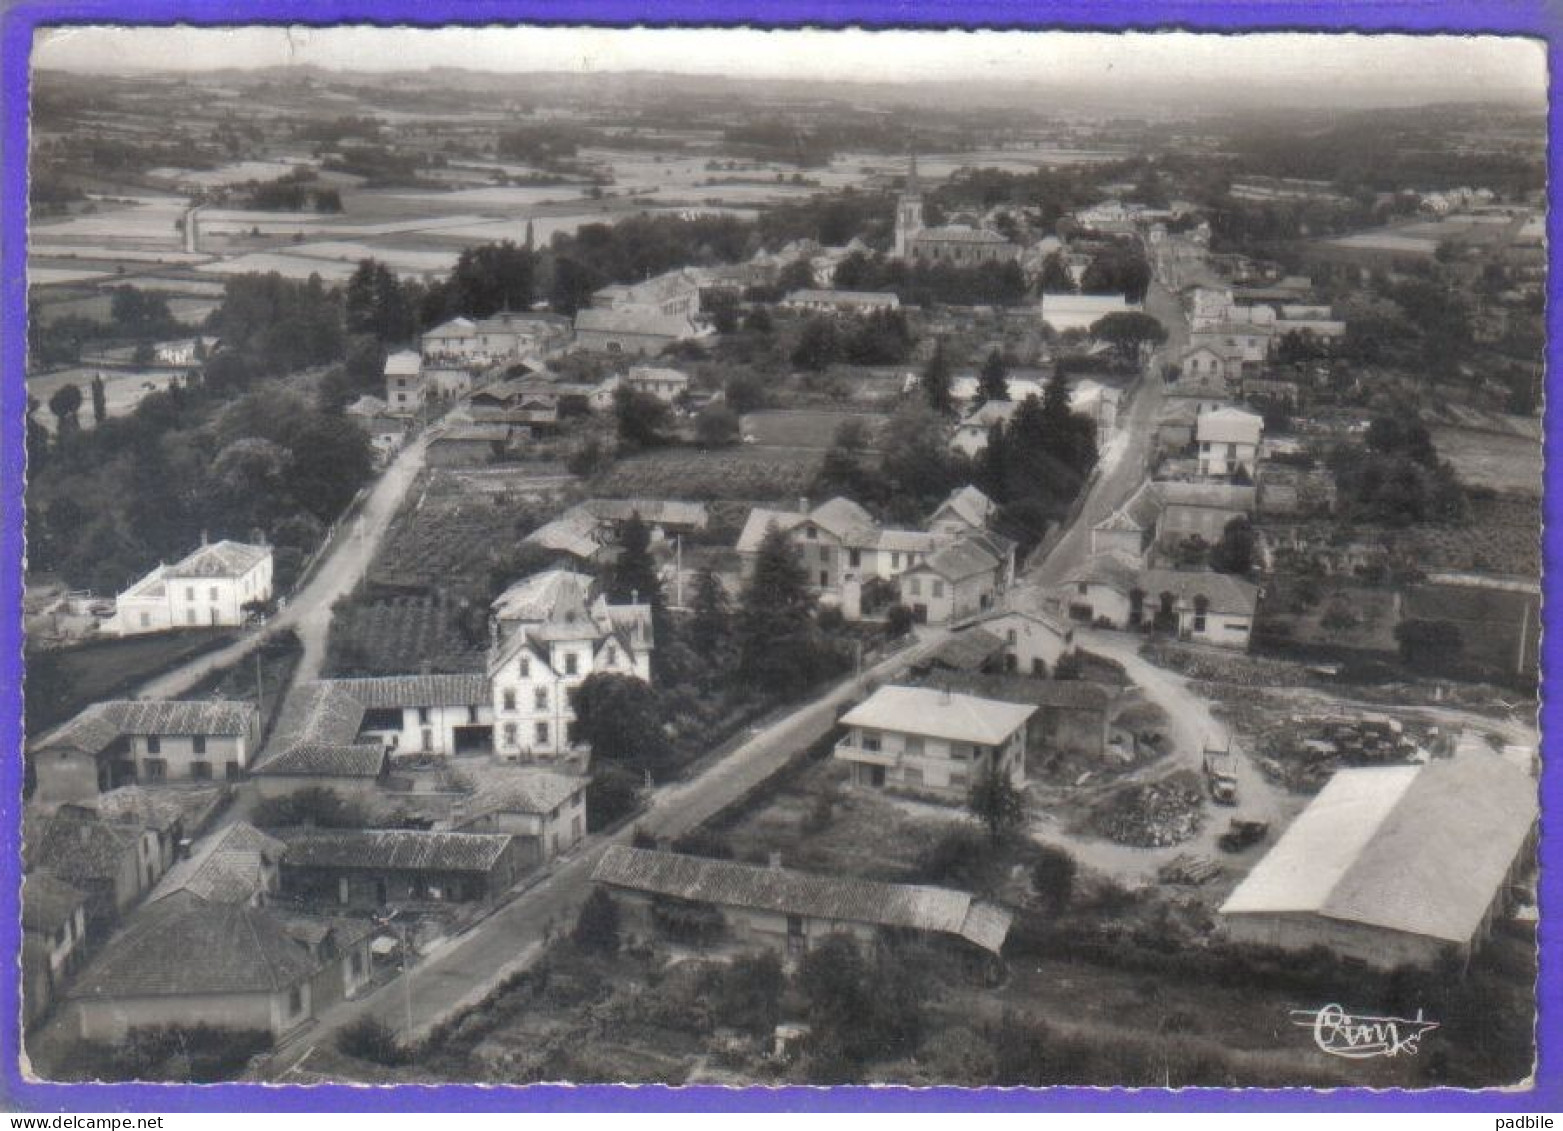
(18, 19)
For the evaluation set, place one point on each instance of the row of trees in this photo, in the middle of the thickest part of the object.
(217, 453)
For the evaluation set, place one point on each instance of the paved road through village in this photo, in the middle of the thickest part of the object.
(467, 969)
(308, 611)
(464, 971)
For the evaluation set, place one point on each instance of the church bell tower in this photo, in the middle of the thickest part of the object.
(908, 213)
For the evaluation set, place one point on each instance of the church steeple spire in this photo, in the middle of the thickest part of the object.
(908, 212)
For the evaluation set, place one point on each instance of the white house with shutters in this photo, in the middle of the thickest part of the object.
(208, 589)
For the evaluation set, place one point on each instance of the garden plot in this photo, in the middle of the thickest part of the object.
(818, 825)
(754, 473)
(804, 429)
(402, 634)
(1491, 459)
(122, 391)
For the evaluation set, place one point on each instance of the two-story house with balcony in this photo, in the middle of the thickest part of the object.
(1228, 443)
(927, 740)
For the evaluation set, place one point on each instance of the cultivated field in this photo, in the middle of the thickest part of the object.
(1499, 630)
(738, 473)
(1492, 459)
(393, 637)
(804, 429)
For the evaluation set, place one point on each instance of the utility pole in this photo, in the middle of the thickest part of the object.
(678, 571)
(406, 978)
(260, 688)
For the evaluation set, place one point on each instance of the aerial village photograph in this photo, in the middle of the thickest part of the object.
(725, 557)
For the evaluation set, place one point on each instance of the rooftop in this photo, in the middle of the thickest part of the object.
(1226, 593)
(844, 298)
(394, 850)
(634, 321)
(962, 560)
(226, 867)
(968, 503)
(331, 760)
(935, 714)
(966, 651)
(82, 850)
(729, 884)
(406, 363)
(186, 945)
(223, 559)
(48, 902)
(462, 690)
(1420, 849)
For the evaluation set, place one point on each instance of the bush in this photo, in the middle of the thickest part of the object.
(831, 618)
(372, 1040)
(859, 1008)
(199, 1054)
(597, 926)
(704, 842)
(961, 857)
(314, 805)
(748, 993)
(612, 795)
(1053, 878)
(899, 620)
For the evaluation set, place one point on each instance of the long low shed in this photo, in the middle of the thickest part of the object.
(790, 910)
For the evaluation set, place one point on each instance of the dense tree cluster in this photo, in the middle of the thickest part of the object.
(106, 505)
(1035, 465)
(929, 284)
(880, 338)
(1396, 478)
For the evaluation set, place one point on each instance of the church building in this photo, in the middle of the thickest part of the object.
(959, 245)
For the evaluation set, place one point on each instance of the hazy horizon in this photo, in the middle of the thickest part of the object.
(1309, 68)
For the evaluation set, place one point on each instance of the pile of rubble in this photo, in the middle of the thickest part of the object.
(1244, 671)
(1154, 814)
(1186, 868)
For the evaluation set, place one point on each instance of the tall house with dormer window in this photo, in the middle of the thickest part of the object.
(549, 633)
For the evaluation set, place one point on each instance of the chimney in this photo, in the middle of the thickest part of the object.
(776, 860)
(803, 504)
(203, 537)
(944, 694)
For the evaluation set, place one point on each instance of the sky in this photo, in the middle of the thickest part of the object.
(1446, 68)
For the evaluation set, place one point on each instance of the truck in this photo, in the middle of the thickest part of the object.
(1221, 776)
(1242, 834)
